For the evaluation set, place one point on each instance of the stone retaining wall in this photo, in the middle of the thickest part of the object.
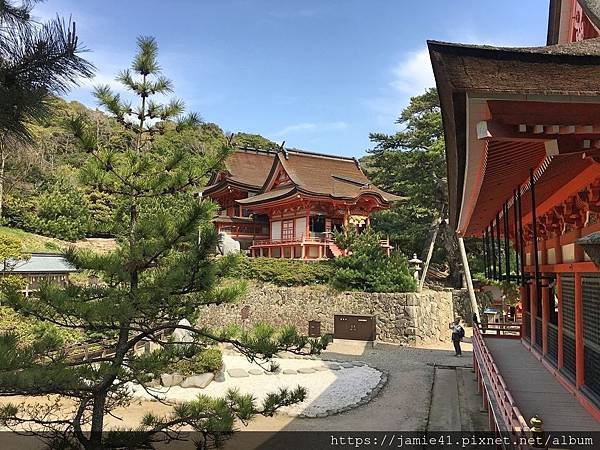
(406, 318)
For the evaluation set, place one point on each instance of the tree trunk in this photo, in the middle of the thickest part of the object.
(98, 420)
(2, 166)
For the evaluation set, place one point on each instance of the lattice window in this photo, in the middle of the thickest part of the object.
(287, 229)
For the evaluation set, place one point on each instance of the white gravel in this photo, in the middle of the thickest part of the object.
(326, 390)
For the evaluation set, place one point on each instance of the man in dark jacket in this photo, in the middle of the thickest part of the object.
(458, 332)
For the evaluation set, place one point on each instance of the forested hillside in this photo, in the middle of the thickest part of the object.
(42, 190)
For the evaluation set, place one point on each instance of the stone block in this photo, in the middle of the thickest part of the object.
(306, 370)
(237, 373)
(347, 365)
(256, 371)
(198, 381)
(171, 379)
(289, 372)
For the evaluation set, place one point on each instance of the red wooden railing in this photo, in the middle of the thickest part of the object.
(506, 330)
(510, 417)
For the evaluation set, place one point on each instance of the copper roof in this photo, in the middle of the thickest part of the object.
(320, 175)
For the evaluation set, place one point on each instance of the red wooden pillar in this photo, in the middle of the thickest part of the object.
(532, 310)
(545, 311)
(560, 320)
(558, 250)
(270, 252)
(307, 227)
(579, 252)
(522, 296)
(579, 364)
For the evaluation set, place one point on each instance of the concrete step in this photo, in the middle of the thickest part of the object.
(444, 413)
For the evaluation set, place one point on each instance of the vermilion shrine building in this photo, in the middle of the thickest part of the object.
(522, 129)
(288, 203)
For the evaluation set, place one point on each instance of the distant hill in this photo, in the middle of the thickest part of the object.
(43, 193)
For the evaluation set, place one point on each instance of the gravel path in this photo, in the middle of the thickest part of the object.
(328, 391)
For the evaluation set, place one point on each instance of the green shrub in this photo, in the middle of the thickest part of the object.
(207, 360)
(285, 272)
(63, 213)
(368, 268)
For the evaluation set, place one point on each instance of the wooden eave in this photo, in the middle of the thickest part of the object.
(466, 75)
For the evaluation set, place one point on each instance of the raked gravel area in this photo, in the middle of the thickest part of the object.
(331, 388)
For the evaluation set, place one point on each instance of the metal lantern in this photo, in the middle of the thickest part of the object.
(591, 245)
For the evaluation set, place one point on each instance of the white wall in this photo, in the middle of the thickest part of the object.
(300, 227)
(276, 230)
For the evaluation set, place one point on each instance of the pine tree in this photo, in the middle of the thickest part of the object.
(163, 270)
(36, 61)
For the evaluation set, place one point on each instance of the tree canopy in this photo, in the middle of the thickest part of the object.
(163, 270)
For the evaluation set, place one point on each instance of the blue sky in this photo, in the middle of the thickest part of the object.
(319, 74)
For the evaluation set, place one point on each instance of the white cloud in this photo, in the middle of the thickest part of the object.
(413, 74)
(410, 76)
(310, 127)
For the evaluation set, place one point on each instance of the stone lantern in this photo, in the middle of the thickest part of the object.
(415, 264)
(591, 245)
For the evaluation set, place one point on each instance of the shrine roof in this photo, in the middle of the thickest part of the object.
(245, 168)
(320, 175)
(466, 73)
(562, 69)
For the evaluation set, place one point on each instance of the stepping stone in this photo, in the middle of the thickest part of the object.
(347, 365)
(359, 363)
(289, 372)
(267, 372)
(237, 373)
(334, 367)
(320, 368)
(256, 372)
(306, 370)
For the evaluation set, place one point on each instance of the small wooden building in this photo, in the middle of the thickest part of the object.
(288, 203)
(40, 268)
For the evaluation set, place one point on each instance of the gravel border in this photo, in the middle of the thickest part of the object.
(363, 401)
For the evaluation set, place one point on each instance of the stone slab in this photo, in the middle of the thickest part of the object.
(289, 372)
(306, 370)
(321, 368)
(171, 379)
(347, 365)
(237, 373)
(198, 381)
(256, 371)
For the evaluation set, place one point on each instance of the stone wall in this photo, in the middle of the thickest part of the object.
(462, 305)
(406, 318)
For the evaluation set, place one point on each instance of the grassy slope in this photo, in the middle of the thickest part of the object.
(33, 243)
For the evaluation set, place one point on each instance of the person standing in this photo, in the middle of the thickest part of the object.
(458, 332)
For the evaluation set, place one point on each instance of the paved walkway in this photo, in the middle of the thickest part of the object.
(535, 389)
